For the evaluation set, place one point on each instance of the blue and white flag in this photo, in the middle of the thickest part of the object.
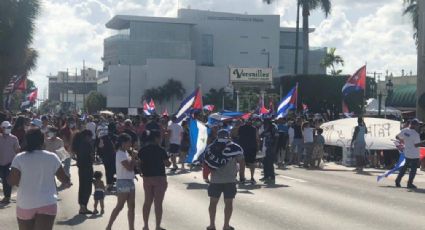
(400, 163)
(198, 134)
(289, 102)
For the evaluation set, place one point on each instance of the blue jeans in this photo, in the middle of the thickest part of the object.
(67, 166)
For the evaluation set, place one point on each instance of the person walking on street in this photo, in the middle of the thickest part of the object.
(106, 151)
(153, 160)
(269, 137)
(223, 157)
(9, 147)
(175, 135)
(248, 140)
(126, 191)
(411, 140)
(82, 148)
(34, 171)
(358, 144)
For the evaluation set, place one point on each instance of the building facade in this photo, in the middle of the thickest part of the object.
(72, 89)
(197, 48)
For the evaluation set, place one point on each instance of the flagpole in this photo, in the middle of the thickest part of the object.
(364, 92)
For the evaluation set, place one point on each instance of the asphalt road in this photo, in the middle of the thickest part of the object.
(333, 198)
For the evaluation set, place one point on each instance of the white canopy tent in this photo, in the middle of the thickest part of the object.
(372, 108)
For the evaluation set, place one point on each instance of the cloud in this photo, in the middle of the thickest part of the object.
(383, 39)
(375, 32)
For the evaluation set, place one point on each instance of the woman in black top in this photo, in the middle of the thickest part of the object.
(153, 160)
(81, 146)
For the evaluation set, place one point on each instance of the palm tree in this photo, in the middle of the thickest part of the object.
(173, 89)
(307, 7)
(17, 26)
(331, 60)
(411, 9)
(218, 98)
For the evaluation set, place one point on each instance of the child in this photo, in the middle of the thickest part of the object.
(319, 143)
(99, 192)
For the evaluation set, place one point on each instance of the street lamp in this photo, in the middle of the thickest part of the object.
(389, 89)
(265, 52)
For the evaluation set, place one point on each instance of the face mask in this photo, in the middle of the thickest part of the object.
(7, 131)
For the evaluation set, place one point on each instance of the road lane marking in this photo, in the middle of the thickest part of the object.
(293, 179)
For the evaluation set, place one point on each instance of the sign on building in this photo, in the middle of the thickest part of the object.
(251, 75)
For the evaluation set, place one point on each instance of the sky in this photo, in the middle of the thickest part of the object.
(362, 31)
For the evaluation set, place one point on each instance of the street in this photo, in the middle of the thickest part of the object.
(333, 198)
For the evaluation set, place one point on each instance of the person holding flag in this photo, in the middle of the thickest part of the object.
(358, 144)
(411, 140)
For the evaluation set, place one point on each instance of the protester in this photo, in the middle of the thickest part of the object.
(269, 137)
(106, 150)
(9, 147)
(56, 145)
(411, 140)
(249, 139)
(175, 135)
(82, 148)
(19, 131)
(223, 156)
(282, 143)
(34, 171)
(318, 148)
(297, 141)
(185, 144)
(358, 144)
(308, 134)
(125, 166)
(153, 160)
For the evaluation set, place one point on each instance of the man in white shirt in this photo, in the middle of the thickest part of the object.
(175, 134)
(411, 139)
(308, 134)
(9, 147)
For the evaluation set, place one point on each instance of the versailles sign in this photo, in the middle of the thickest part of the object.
(251, 75)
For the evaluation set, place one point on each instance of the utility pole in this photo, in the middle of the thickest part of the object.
(297, 34)
(85, 86)
(420, 91)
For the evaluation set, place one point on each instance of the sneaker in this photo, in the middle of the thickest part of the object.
(412, 186)
(5, 200)
(252, 181)
(263, 179)
(270, 181)
(397, 184)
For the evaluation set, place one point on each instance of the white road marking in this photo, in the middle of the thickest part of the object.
(294, 179)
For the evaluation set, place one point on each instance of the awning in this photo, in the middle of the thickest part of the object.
(403, 96)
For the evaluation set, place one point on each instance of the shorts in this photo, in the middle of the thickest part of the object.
(29, 214)
(155, 186)
(99, 195)
(174, 149)
(250, 155)
(228, 189)
(125, 185)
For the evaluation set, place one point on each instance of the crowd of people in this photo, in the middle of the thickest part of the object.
(146, 146)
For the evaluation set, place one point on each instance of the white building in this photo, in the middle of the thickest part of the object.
(197, 48)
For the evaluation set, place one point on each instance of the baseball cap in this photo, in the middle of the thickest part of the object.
(6, 124)
(223, 135)
(415, 121)
(37, 122)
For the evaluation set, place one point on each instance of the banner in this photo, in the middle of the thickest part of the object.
(381, 132)
(251, 75)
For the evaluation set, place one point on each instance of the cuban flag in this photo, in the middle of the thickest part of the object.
(216, 118)
(209, 108)
(401, 162)
(355, 83)
(149, 108)
(288, 102)
(192, 102)
(198, 134)
(346, 110)
(30, 99)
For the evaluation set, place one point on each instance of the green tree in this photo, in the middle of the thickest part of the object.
(411, 9)
(331, 60)
(17, 26)
(307, 7)
(171, 90)
(219, 98)
(95, 102)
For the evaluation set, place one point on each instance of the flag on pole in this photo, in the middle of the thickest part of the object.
(30, 99)
(288, 102)
(193, 101)
(209, 108)
(346, 110)
(356, 82)
(16, 83)
(198, 134)
(149, 108)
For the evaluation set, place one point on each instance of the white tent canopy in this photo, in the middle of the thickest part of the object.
(372, 108)
(381, 132)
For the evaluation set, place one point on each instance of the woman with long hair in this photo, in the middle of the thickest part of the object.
(125, 165)
(153, 160)
(82, 148)
(34, 171)
(19, 130)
